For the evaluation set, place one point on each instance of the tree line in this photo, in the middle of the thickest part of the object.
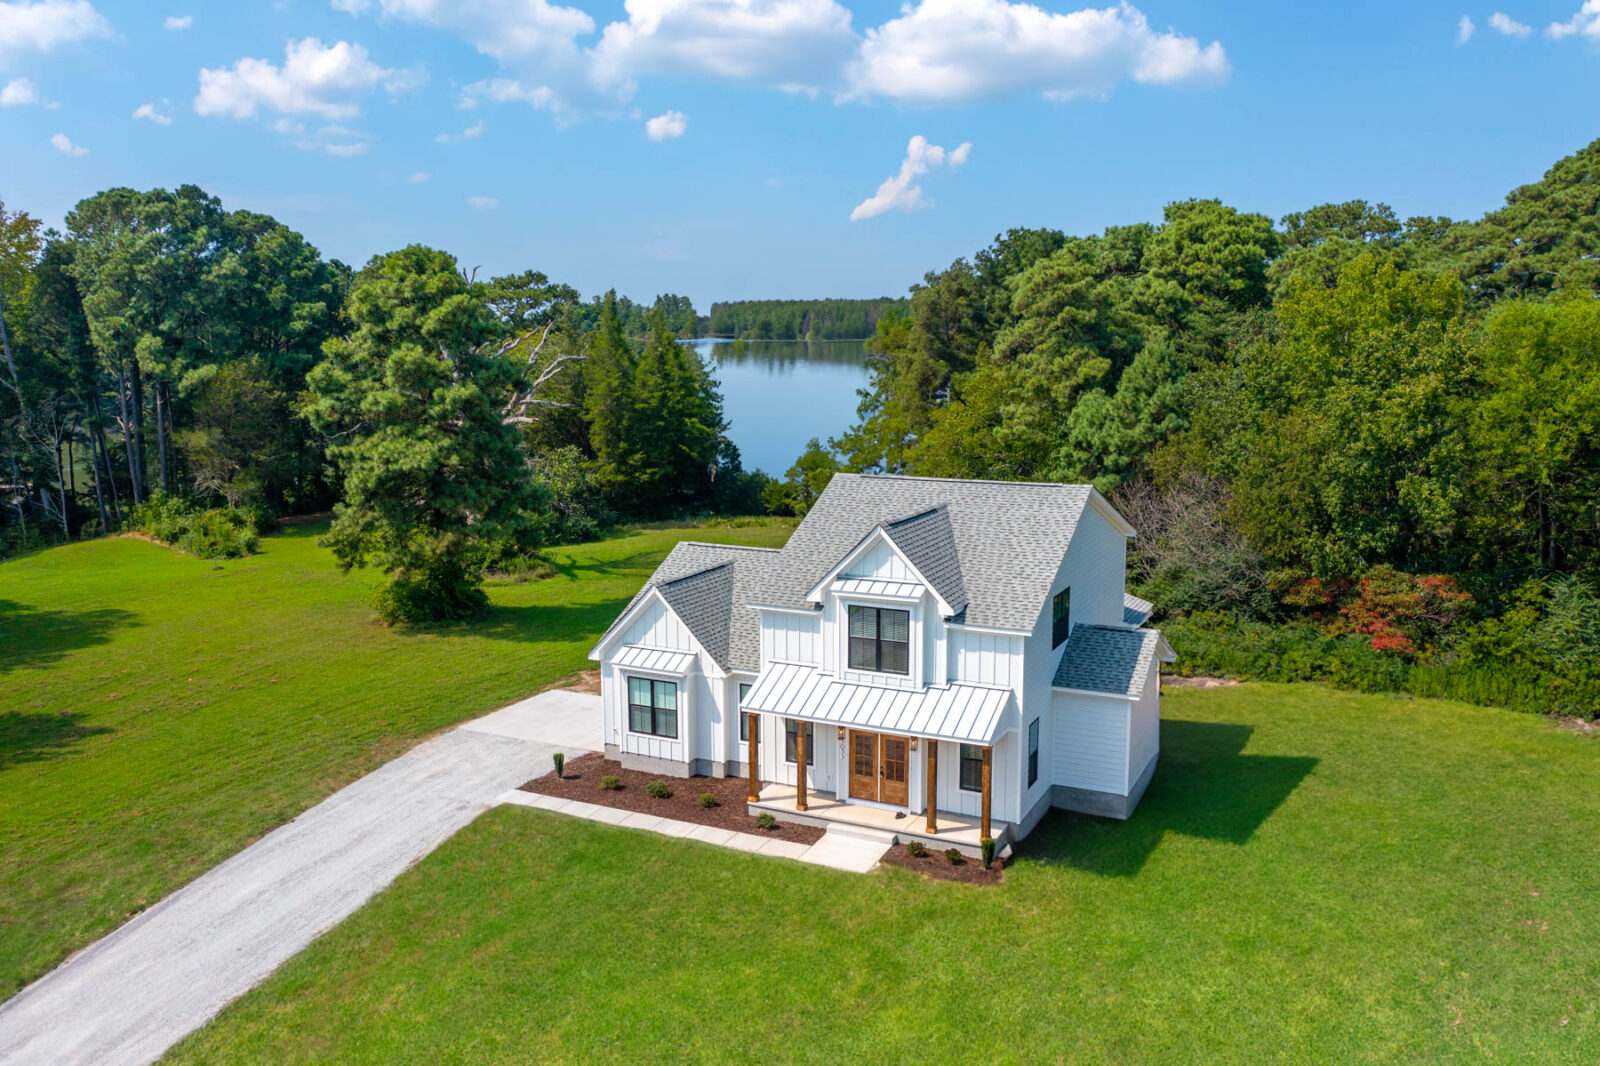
(190, 371)
(790, 320)
(1339, 420)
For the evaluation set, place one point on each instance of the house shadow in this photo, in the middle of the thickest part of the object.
(1204, 786)
(26, 738)
(37, 637)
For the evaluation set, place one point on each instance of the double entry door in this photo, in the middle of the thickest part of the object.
(878, 765)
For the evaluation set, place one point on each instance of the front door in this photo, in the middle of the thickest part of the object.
(878, 767)
(863, 765)
(892, 770)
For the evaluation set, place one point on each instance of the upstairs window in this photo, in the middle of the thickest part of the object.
(880, 640)
(653, 707)
(1060, 617)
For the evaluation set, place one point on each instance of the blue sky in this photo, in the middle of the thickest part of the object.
(781, 161)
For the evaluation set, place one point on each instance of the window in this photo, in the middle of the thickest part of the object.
(971, 768)
(744, 719)
(1060, 617)
(1033, 752)
(653, 707)
(790, 735)
(880, 640)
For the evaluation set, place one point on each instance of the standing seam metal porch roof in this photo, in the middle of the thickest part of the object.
(967, 714)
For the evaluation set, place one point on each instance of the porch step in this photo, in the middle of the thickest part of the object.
(863, 832)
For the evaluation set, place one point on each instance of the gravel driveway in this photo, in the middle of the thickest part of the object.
(129, 997)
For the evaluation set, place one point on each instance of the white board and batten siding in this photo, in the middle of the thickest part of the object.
(985, 658)
(880, 560)
(657, 627)
(789, 637)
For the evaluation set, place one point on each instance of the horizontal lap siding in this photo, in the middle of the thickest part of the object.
(1144, 739)
(790, 638)
(1090, 748)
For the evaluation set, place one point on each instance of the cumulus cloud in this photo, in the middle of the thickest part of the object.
(944, 51)
(66, 147)
(42, 25)
(666, 126)
(1464, 30)
(784, 43)
(1508, 26)
(150, 113)
(178, 22)
(1586, 23)
(901, 192)
(317, 79)
(17, 92)
(483, 203)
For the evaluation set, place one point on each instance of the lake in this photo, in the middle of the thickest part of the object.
(776, 395)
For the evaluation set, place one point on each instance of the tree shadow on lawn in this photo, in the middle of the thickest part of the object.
(1204, 786)
(534, 622)
(37, 737)
(36, 637)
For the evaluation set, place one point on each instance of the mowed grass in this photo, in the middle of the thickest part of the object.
(1313, 877)
(158, 712)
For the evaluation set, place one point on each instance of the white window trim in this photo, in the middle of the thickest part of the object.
(680, 680)
(913, 674)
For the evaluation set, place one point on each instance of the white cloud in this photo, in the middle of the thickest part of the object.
(483, 203)
(512, 91)
(17, 92)
(784, 43)
(1508, 26)
(507, 30)
(42, 25)
(1465, 29)
(356, 148)
(942, 51)
(66, 147)
(471, 133)
(901, 192)
(178, 22)
(150, 113)
(419, 177)
(318, 79)
(666, 126)
(1585, 22)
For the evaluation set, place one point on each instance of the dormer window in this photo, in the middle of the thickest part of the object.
(1060, 617)
(880, 640)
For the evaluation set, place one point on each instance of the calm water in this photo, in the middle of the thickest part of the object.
(777, 395)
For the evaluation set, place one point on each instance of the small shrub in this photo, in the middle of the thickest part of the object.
(986, 845)
(708, 800)
(953, 857)
(611, 783)
(916, 849)
(560, 761)
(765, 820)
(658, 790)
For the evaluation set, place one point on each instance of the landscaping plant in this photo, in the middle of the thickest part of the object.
(708, 800)
(765, 820)
(611, 783)
(658, 790)
(560, 761)
(953, 857)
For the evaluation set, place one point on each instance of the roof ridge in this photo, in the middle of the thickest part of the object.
(698, 573)
(734, 547)
(977, 481)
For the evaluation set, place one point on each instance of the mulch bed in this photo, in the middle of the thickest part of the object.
(934, 864)
(581, 781)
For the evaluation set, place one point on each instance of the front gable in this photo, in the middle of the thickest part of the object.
(877, 566)
(651, 623)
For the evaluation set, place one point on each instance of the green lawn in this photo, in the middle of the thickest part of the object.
(1314, 876)
(159, 712)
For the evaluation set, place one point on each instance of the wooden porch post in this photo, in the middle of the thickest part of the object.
(800, 766)
(988, 758)
(755, 762)
(933, 784)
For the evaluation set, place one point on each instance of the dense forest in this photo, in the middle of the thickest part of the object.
(795, 320)
(191, 372)
(1355, 446)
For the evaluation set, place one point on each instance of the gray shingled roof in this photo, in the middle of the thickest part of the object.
(1008, 537)
(1107, 659)
(1136, 612)
(929, 542)
(708, 586)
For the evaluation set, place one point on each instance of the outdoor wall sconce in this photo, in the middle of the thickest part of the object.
(841, 732)
(913, 743)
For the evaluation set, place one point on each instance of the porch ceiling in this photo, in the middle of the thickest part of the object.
(967, 714)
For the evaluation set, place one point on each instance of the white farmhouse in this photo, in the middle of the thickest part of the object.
(943, 660)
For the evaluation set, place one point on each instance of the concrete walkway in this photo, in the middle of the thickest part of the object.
(127, 998)
(856, 852)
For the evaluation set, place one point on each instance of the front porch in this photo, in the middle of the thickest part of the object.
(960, 831)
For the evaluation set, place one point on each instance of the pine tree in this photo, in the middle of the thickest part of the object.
(608, 384)
(676, 423)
